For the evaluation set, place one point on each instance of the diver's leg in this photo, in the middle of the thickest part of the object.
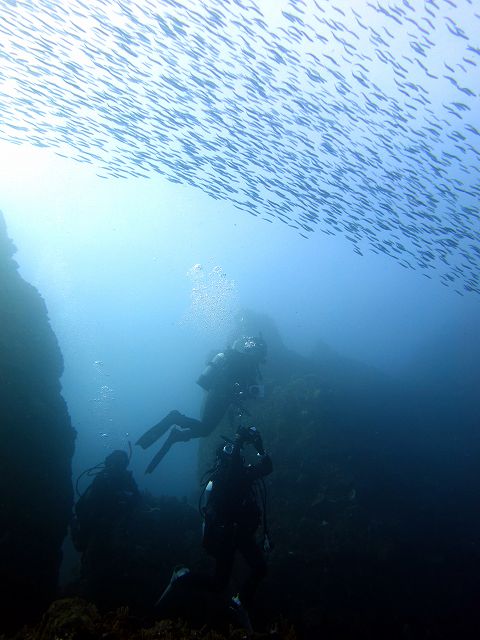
(216, 405)
(223, 569)
(157, 431)
(214, 408)
(189, 428)
(255, 559)
(184, 422)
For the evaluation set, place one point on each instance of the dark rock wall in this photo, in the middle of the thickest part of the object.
(36, 447)
(370, 501)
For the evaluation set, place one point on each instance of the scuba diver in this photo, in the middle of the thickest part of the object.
(232, 516)
(101, 513)
(228, 379)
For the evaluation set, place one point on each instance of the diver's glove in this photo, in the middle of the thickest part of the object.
(249, 436)
(256, 439)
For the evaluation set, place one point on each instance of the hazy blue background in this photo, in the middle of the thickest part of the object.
(112, 260)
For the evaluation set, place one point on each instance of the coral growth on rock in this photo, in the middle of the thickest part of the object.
(77, 619)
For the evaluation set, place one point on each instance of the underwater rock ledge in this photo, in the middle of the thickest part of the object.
(36, 448)
(78, 619)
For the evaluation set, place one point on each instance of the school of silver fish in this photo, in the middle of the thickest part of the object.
(355, 118)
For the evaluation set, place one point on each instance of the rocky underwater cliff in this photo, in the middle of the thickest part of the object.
(36, 448)
(370, 502)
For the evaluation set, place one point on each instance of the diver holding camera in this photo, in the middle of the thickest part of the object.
(244, 435)
(232, 514)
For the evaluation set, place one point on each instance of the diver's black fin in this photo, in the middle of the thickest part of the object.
(179, 572)
(150, 436)
(240, 615)
(157, 458)
(157, 431)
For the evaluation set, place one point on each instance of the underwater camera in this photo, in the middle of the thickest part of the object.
(249, 436)
(243, 436)
(256, 391)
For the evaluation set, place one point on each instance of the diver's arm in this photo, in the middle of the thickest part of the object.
(263, 468)
(251, 435)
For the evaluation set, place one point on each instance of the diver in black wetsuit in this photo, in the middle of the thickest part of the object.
(102, 513)
(227, 379)
(232, 514)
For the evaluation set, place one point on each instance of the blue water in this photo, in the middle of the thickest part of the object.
(165, 164)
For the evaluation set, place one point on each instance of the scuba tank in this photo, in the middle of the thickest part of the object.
(210, 374)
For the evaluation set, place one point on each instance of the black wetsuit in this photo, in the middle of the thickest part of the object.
(232, 517)
(101, 513)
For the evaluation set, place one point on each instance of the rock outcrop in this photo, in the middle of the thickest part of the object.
(369, 503)
(36, 447)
